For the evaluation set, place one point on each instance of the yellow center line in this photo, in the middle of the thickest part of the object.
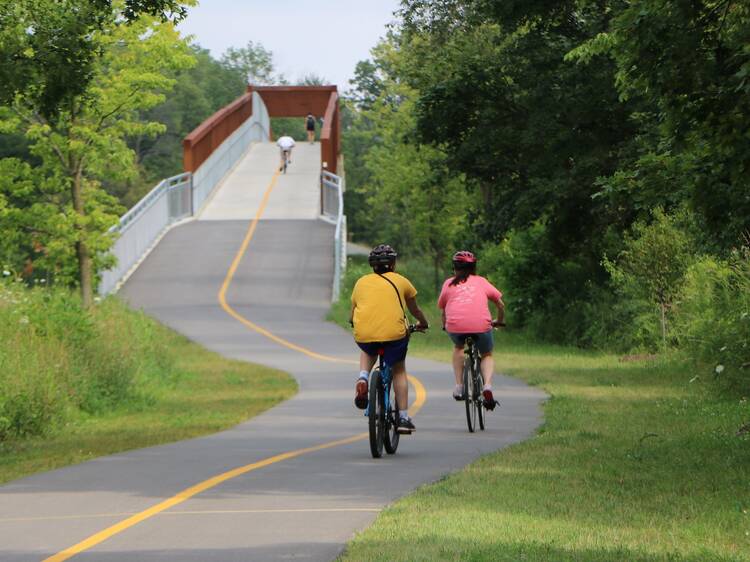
(180, 497)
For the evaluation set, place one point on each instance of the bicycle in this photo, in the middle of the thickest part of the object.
(473, 382)
(382, 410)
(285, 157)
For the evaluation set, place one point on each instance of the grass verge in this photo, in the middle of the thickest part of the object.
(635, 462)
(175, 390)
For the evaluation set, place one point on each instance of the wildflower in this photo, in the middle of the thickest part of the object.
(6, 273)
(719, 369)
(723, 348)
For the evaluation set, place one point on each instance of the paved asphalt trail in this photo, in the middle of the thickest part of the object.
(302, 508)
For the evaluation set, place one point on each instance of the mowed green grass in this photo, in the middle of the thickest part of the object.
(205, 393)
(633, 463)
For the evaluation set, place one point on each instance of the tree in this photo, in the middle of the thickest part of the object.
(86, 142)
(653, 264)
(253, 60)
(48, 49)
(688, 62)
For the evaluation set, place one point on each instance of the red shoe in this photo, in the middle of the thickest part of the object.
(489, 400)
(360, 398)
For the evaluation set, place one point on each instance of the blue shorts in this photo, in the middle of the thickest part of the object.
(393, 351)
(483, 341)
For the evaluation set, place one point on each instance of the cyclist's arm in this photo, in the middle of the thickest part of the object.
(351, 316)
(500, 311)
(411, 304)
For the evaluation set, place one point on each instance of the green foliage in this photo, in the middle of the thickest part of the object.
(48, 49)
(579, 130)
(652, 266)
(713, 320)
(57, 359)
(198, 92)
(254, 62)
(58, 208)
(406, 195)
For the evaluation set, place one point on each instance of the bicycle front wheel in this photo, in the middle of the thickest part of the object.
(469, 395)
(376, 414)
(391, 434)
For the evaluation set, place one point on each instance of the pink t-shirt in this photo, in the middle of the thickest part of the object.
(465, 305)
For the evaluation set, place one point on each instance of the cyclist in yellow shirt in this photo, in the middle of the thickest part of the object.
(379, 320)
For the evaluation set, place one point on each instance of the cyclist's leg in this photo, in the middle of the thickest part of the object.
(395, 356)
(281, 161)
(367, 358)
(487, 366)
(458, 363)
(366, 362)
(400, 385)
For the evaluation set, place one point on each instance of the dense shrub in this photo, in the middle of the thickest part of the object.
(57, 359)
(713, 319)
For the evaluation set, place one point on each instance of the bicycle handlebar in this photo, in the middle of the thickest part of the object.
(415, 328)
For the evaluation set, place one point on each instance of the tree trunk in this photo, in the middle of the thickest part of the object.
(663, 325)
(85, 276)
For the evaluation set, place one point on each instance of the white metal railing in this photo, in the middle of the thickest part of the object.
(224, 158)
(332, 208)
(141, 226)
(178, 197)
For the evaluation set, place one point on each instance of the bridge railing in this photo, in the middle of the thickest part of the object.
(332, 208)
(140, 227)
(212, 150)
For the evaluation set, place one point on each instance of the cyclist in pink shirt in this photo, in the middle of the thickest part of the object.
(463, 300)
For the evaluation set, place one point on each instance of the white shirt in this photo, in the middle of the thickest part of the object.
(285, 143)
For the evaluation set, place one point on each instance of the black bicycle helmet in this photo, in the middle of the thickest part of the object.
(382, 254)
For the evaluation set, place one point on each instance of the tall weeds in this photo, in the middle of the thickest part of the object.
(57, 360)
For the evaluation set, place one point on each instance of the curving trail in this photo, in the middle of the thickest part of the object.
(293, 483)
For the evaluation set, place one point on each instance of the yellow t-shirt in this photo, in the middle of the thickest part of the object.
(377, 313)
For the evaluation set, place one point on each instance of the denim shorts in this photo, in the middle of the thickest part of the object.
(483, 341)
(393, 351)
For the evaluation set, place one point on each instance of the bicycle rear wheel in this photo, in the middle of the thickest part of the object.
(391, 434)
(469, 391)
(479, 402)
(376, 415)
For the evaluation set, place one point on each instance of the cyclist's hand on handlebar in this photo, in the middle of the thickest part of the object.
(418, 327)
(498, 324)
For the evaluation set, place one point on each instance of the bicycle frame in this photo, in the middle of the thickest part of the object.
(386, 375)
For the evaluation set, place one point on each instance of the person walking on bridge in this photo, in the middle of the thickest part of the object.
(285, 144)
(379, 321)
(310, 127)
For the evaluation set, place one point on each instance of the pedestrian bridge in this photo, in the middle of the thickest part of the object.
(231, 173)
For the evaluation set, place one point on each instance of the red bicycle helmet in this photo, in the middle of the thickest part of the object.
(464, 257)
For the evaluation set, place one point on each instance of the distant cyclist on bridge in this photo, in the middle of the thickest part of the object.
(379, 320)
(285, 144)
(463, 301)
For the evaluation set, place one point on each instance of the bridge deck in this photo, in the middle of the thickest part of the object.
(295, 196)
